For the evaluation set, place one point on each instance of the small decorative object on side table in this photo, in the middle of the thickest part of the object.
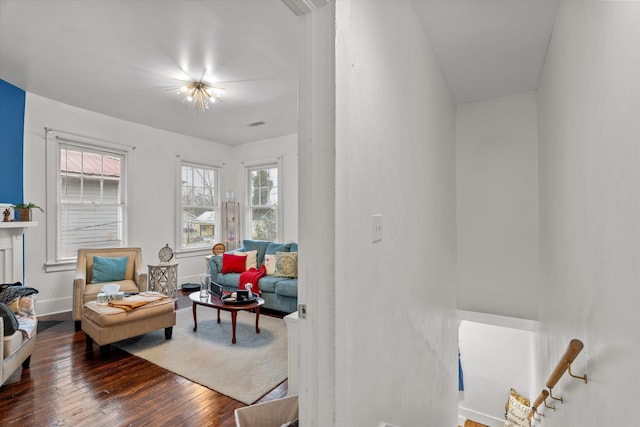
(218, 248)
(6, 215)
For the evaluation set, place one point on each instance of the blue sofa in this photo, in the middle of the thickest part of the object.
(279, 293)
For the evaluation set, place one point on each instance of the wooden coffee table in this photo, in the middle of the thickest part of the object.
(215, 302)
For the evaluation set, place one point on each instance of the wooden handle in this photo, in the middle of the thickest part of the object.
(575, 347)
(541, 397)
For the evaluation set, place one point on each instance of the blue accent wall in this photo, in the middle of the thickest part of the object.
(12, 102)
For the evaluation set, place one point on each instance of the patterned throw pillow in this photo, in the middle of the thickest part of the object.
(270, 263)
(286, 264)
(251, 261)
(517, 409)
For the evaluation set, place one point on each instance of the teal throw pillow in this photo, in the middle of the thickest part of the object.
(10, 320)
(274, 247)
(108, 269)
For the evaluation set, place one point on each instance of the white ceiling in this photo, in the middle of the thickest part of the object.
(120, 57)
(488, 48)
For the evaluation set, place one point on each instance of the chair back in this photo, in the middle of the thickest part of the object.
(134, 255)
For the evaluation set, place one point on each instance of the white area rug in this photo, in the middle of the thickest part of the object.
(244, 371)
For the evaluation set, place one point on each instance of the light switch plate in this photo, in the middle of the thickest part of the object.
(376, 228)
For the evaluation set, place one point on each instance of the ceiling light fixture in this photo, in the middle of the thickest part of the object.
(201, 94)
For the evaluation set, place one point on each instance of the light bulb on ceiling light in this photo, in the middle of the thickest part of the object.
(201, 94)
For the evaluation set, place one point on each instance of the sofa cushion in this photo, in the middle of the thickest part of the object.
(108, 269)
(286, 264)
(268, 283)
(10, 320)
(229, 280)
(287, 288)
(251, 258)
(256, 245)
(293, 247)
(274, 247)
(233, 263)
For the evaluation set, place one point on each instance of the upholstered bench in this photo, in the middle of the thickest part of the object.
(105, 324)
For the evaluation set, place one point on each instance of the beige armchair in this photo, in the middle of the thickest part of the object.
(135, 279)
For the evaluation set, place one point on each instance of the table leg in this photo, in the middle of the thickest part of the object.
(257, 318)
(218, 315)
(234, 315)
(195, 321)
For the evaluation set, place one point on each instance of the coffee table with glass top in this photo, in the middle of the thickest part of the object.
(215, 302)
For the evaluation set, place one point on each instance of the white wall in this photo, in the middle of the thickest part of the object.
(151, 188)
(589, 104)
(282, 148)
(396, 326)
(497, 206)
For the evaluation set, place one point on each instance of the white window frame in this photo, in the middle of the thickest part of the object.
(54, 141)
(179, 211)
(259, 165)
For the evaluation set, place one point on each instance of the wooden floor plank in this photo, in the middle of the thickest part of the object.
(69, 386)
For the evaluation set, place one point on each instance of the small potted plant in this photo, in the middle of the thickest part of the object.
(22, 211)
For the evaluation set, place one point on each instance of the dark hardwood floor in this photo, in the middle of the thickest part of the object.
(69, 386)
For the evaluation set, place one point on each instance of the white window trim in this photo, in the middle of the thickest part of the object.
(262, 164)
(52, 139)
(181, 160)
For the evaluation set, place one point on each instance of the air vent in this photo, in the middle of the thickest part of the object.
(254, 124)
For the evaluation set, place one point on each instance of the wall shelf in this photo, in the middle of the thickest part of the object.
(231, 225)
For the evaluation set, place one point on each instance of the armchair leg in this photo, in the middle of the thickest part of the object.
(89, 343)
(26, 362)
(78, 325)
(168, 332)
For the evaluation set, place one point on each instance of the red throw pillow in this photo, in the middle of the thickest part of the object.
(233, 263)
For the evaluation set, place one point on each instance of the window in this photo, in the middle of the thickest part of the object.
(263, 206)
(91, 201)
(199, 196)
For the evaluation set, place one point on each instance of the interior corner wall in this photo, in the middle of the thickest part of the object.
(497, 206)
(286, 149)
(396, 323)
(589, 179)
(12, 102)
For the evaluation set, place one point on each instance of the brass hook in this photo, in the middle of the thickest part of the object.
(547, 406)
(576, 376)
(536, 419)
(553, 397)
(536, 411)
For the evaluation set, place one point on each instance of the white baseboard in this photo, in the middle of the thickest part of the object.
(53, 306)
